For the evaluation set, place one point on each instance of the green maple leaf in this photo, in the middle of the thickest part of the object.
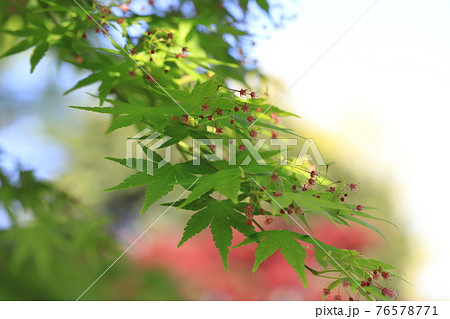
(225, 182)
(270, 241)
(221, 217)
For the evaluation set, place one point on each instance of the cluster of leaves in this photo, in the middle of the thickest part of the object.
(172, 80)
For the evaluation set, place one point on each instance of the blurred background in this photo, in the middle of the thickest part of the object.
(375, 104)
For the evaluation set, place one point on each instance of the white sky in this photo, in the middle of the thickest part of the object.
(384, 91)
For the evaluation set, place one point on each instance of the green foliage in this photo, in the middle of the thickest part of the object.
(174, 81)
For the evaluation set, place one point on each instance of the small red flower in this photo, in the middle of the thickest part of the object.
(210, 117)
(120, 21)
(242, 92)
(311, 181)
(170, 36)
(232, 121)
(345, 283)
(332, 189)
(132, 74)
(184, 49)
(325, 291)
(205, 107)
(242, 148)
(249, 222)
(294, 187)
(219, 130)
(254, 134)
(389, 293)
(253, 95)
(250, 119)
(274, 135)
(385, 275)
(359, 208)
(248, 208)
(277, 194)
(183, 55)
(268, 221)
(185, 119)
(313, 173)
(236, 109)
(133, 52)
(212, 147)
(274, 177)
(305, 188)
(245, 108)
(337, 298)
(261, 210)
(353, 187)
(219, 112)
(124, 7)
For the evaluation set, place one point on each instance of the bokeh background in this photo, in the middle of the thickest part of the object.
(375, 103)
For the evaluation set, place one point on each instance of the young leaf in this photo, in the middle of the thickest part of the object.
(198, 222)
(38, 54)
(135, 180)
(222, 235)
(159, 187)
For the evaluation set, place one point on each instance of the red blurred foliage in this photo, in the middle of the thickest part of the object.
(198, 270)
